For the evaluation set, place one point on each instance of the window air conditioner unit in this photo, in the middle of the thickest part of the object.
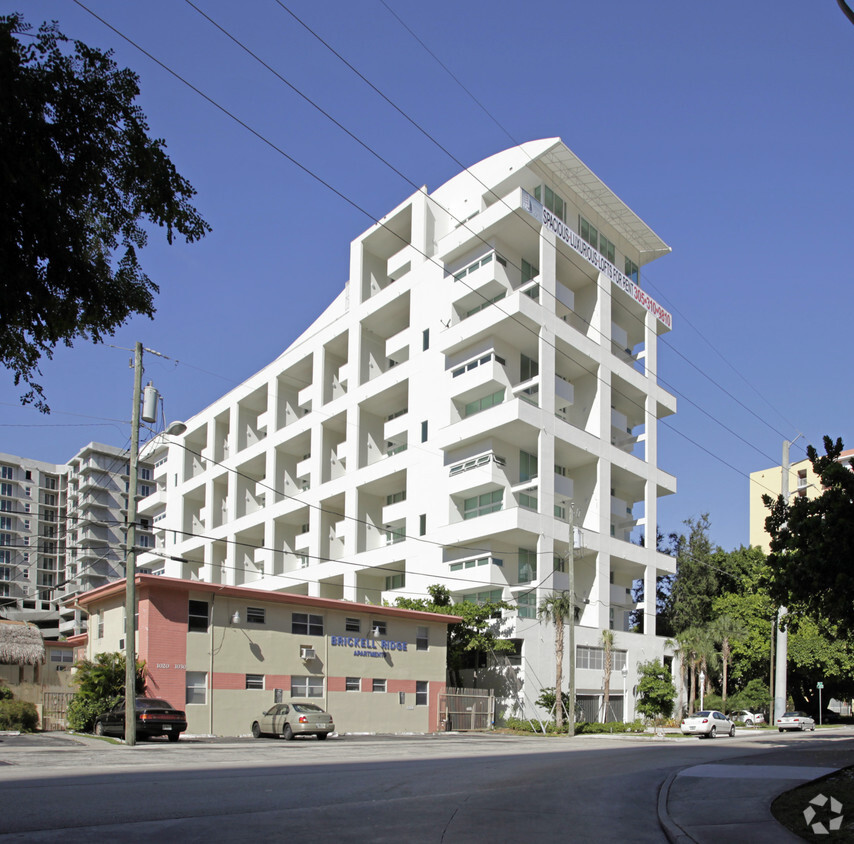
(307, 654)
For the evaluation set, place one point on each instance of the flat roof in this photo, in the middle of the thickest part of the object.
(248, 593)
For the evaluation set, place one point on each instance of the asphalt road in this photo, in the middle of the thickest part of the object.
(447, 788)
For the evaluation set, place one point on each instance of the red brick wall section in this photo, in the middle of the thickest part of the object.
(336, 684)
(396, 686)
(278, 681)
(227, 680)
(163, 643)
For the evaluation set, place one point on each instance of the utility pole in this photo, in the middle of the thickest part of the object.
(570, 568)
(130, 558)
(782, 633)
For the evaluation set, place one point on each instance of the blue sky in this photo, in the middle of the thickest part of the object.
(725, 126)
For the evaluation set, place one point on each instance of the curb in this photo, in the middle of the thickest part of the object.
(675, 834)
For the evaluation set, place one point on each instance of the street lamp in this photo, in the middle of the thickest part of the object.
(702, 687)
(625, 672)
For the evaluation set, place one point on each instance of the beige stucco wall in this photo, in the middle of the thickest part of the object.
(769, 482)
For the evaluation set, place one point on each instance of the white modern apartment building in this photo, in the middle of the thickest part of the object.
(32, 512)
(484, 384)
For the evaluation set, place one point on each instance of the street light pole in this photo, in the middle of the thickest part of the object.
(130, 558)
(702, 688)
(571, 571)
(625, 672)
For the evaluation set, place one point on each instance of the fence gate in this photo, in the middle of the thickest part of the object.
(53, 711)
(467, 709)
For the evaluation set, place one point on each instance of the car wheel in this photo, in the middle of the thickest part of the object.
(812, 728)
(782, 730)
(748, 723)
(287, 733)
(256, 730)
(732, 731)
(713, 732)
(322, 736)
(173, 736)
(99, 729)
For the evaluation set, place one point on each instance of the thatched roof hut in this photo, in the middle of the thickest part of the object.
(20, 643)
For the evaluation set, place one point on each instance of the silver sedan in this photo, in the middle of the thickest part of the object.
(295, 718)
(795, 720)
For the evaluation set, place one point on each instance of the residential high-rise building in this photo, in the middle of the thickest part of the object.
(62, 532)
(96, 524)
(476, 408)
(32, 513)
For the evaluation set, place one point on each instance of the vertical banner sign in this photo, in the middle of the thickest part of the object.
(586, 251)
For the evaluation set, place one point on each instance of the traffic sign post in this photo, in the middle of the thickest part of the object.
(819, 686)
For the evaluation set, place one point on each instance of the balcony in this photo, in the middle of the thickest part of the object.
(401, 262)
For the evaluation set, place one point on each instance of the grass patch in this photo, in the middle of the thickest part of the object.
(789, 808)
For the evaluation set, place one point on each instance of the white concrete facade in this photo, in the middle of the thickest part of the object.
(490, 363)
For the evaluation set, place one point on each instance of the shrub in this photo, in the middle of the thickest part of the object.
(18, 715)
(5, 693)
(82, 712)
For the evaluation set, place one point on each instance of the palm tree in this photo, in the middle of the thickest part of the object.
(698, 647)
(608, 643)
(725, 629)
(557, 608)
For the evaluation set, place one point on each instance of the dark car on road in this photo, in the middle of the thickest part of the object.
(154, 717)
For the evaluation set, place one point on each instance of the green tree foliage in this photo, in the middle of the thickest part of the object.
(656, 692)
(812, 543)
(726, 631)
(80, 177)
(696, 583)
(100, 686)
(476, 634)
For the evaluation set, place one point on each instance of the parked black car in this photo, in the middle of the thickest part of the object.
(154, 717)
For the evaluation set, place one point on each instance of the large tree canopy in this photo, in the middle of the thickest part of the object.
(79, 176)
(811, 564)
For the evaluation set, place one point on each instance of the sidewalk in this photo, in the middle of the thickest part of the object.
(729, 802)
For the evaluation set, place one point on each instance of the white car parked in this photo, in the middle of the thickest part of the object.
(749, 718)
(795, 720)
(708, 723)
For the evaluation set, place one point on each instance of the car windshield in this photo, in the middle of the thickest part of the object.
(306, 707)
(793, 714)
(703, 714)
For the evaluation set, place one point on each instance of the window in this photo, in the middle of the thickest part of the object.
(422, 524)
(6, 489)
(50, 499)
(421, 693)
(4, 590)
(100, 625)
(395, 581)
(256, 615)
(197, 687)
(5, 556)
(255, 681)
(6, 506)
(476, 561)
(50, 483)
(304, 624)
(480, 505)
(632, 271)
(484, 403)
(145, 489)
(607, 248)
(352, 625)
(527, 605)
(424, 432)
(395, 535)
(378, 685)
(529, 271)
(306, 686)
(425, 339)
(7, 473)
(594, 658)
(351, 684)
(559, 563)
(486, 303)
(484, 597)
(422, 638)
(527, 466)
(61, 656)
(5, 572)
(528, 368)
(5, 523)
(551, 200)
(145, 541)
(528, 501)
(378, 628)
(395, 497)
(197, 616)
(144, 474)
(588, 232)
(527, 565)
